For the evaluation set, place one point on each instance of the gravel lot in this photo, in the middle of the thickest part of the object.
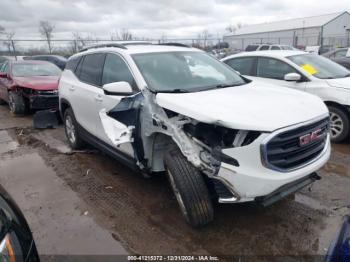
(86, 203)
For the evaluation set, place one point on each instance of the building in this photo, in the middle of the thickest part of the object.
(330, 29)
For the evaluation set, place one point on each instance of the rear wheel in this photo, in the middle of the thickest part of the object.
(70, 127)
(2, 102)
(17, 104)
(189, 188)
(339, 124)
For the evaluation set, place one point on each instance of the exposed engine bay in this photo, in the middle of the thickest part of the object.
(151, 129)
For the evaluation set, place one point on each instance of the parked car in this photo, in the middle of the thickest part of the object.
(306, 72)
(16, 240)
(339, 250)
(27, 85)
(59, 61)
(178, 111)
(262, 47)
(340, 56)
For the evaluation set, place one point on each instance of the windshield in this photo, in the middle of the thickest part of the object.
(45, 69)
(319, 66)
(185, 72)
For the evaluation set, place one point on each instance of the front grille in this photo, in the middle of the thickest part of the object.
(44, 102)
(285, 151)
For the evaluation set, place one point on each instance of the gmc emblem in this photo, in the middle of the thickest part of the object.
(308, 138)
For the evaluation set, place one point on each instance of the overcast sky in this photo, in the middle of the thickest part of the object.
(153, 18)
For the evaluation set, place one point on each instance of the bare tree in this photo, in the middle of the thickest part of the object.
(46, 30)
(233, 28)
(10, 43)
(122, 34)
(2, 29)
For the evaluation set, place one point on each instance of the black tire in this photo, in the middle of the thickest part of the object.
(189, 188)
(2, 102)
(340, 125)
(17, 104)
(72, 134)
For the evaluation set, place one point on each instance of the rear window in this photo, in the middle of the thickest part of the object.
(91, 70)
(72, 63)
(243, 65)
(264, 47)
(251, 48)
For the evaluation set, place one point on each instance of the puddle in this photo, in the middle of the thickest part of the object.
(337, 168)
(6, 142)
(341, 148)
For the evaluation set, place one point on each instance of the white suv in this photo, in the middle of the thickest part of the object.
(177, 111)
(305, 72)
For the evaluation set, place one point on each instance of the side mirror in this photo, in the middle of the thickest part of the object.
(292, 77)
(3, 75)
(117, 88)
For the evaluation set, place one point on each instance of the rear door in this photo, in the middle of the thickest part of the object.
(86, 92)
(115, 70)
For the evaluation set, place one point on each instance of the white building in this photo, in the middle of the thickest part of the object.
(330, 29)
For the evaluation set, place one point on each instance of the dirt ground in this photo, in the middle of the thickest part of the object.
(87, 203)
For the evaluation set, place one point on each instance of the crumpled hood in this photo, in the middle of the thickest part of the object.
(38, 82)
(248, 107)
(340, 82)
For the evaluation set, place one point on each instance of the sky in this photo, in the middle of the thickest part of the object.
(153, 18)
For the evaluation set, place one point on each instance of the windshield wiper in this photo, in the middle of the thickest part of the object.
(177, 90)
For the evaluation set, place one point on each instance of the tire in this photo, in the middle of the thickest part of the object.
(189, 188)
(72, 134)
(17, 104)
(2, 102)
(339, 124)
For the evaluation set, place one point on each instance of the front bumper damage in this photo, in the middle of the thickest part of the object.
(40, 102)
(238, 173)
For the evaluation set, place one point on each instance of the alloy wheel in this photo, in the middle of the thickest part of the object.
(337, 125)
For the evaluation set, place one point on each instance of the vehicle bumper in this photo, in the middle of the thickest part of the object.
(43, 102)
(252, 181)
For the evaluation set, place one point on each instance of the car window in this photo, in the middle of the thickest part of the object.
(116, 70)
(72, 63)
(264, 47)
(5, 67)
(251, 48)
(91, 70)
(273, 68)
(275, 47)
(340, 53)
(243, 65)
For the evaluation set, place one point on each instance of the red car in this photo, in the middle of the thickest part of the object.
(29, 85)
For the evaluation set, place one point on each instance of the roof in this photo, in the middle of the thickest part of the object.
(305, 22)
(270, 53)
(139, 48)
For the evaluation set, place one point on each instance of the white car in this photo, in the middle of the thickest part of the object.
(305, 72)
(178, 111)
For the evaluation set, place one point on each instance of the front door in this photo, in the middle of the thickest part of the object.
(115, 70)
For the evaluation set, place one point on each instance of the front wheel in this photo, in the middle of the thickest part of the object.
(71, 129)
(339, 124)
(189, 188)
(17, 104)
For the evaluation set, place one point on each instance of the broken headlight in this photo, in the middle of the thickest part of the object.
(220, 137)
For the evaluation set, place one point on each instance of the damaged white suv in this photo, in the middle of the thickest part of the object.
(175, 110)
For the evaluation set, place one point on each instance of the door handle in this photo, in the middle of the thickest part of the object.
(98, 98)
(71, 88)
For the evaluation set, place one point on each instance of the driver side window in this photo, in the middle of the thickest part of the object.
(273, 68)
(116, 70)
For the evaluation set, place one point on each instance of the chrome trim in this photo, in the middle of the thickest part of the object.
(236, 197)
(285, 129)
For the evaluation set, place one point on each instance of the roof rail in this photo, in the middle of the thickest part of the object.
(103, 45)
(175, 44)
(125, 43)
